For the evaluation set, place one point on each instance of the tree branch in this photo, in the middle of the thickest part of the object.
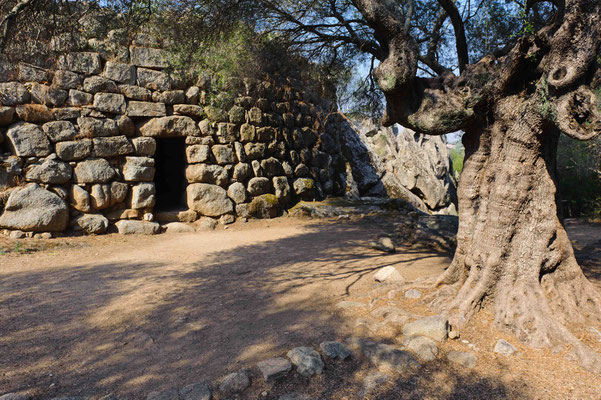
(460, 39)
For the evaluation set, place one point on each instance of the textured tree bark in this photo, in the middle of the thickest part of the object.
(513, 255)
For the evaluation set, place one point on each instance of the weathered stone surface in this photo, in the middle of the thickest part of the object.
(58, 131)
(435, 327)
(95, 84)
(142, 196)
(272, 167)
(504, 347)
(148, 57)
(125, 125)
(234, 383)
(255, 116)
(6, 115)
(94, 224)
(112, 146)
(66, 80)
(178, 227)
(47, 95)
(135, 92)
(237, 115)
(203, 173)
(301, 171)
(274, 368)
(307, 361)
(174, 125)
(193, 95)
(74, 150)
(32, 73)
(205, 224)
(240, 153)
(383, 244)
(118, 72)
(65, 113)
(94, 127)
(118, 192)
(80, 199)
(224, 154)
(227, 133)
(133, 227)
(83, 62)
(424, 348)
(463, 358)
(242, 172)
(145, 146)
(264, 206)
(209, 200)
(153, 80)
(282, 188)
(189, 110)
(254, 151)
(146, 109)
(237, 192)
(198, 153)
(28, 140)
(13, 93)
(34, 113)
(413, 294)
(138, 169)
(265, 134)
(258, 186)
(100, 196)
(216, 114)
(110, 103)
(50, 171)
(388, 274)
(78, 98)
(386, 356)
(247, 133)
(304, 187)
(335, 350)
(34, 209)
(93, 171)
(195, 391)
(169, 394)
(169, 97)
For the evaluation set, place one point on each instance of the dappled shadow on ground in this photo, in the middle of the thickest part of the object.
(133, 327)
(586, 240)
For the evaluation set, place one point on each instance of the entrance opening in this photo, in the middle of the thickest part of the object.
(170, 174)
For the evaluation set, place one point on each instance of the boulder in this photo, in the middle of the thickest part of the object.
(136, 93)
(435, 327)
(125, 125)
(118, 192)
(80, 199)
(282, 189)
(204, 173)
(304, 187)
(209, 200)
(272, 167)
(74, 150)
(237, 192)
(93, 224)
(112, 146)
(178, 227)
(35, 209)
(224, 154)
(188, 110)
(93, 171)
(383, 244)
(307, 361)
(258, 186)
(78, 98)
(247, 133)
(242, 172)
(146, 109)
(144, 146)
(135, 227)
(6, 115)
(28, 140)
(198, 153)
(138, 169)
(388, 274)
(175, 125)
(169, 97)
(50, 171)
(234, 383)
(112, 103)
(66, 80)
(142, 196)
(32, 73)
(59, 131)
(148, 57)
(264, 206)
(100, 196)
(254, 151)
(504, 347)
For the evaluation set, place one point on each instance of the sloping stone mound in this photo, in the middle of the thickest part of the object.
(35, 209)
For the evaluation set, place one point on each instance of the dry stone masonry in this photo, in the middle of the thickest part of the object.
(81, 144)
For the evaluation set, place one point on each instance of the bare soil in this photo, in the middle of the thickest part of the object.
(90, 316)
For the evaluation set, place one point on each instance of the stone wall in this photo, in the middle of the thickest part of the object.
(78, 145)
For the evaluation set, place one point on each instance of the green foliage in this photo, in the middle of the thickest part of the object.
(545, 104)
(457, 157)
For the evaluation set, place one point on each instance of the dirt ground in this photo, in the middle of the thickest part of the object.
(90, 316)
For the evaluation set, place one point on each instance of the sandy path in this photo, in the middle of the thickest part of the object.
(135, 314)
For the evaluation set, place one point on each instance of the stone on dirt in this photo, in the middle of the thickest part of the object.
(307, 361)
(195, 391)
(135, 227)
(463, 358)
(274, 368)
(435, 327)
(178, 227)
(95, 224)
(424, 348)
(504, 347)
(383, 244)
(209, 200)
(385, 356)
(235, 382)
(335, 350)
(388, 274)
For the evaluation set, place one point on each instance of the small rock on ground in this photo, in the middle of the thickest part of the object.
(335, 350)
(235, 382)
(464, 358)
(274, 368)
(307, 361)
(383, 244)
(424, 348)
(504, 347)
(388, 274)
(413, 294)
(196, 391)
(435, 327)
(178, 227)
(385, 356)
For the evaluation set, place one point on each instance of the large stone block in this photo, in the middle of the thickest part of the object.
(254, 151)
(133, 227)
(148, 57)
(118, 72)
(209, 200)
(144, 146)
(100, 196)
(258, 186)
(66, 113)
(95, 84)
(6, 115)
(50, 171)
(77, 98)
(112, 146)
(146, 109)
(198, 153)
(59, 131)
(118, 192)
(272, 167)
(169, 97)
(174, 125)
(153, 80)
(138, 169)
(242, 172)
(34, 113)
(93, 171)
(28, 140)
(224, 154)
(135, 92)
(83, 62)
(92, 224)
(35, 209)
(80, 199)
(110, 103)
(74, 150)
(31, 73)
(142, 196)
(264, 206)
(203, 173)
(66, 80)
(237, 192)
(94, 127)
(189, 110)
(227, 133)
(13, 93)
(43, 94)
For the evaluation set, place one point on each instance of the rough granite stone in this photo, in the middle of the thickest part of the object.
(28, 140)
(435, 327)
(208, 200)
(274, 368)
(307, 361)
(93, 171)
(134, 227)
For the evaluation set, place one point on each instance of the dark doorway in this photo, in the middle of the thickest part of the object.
(170, 175)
